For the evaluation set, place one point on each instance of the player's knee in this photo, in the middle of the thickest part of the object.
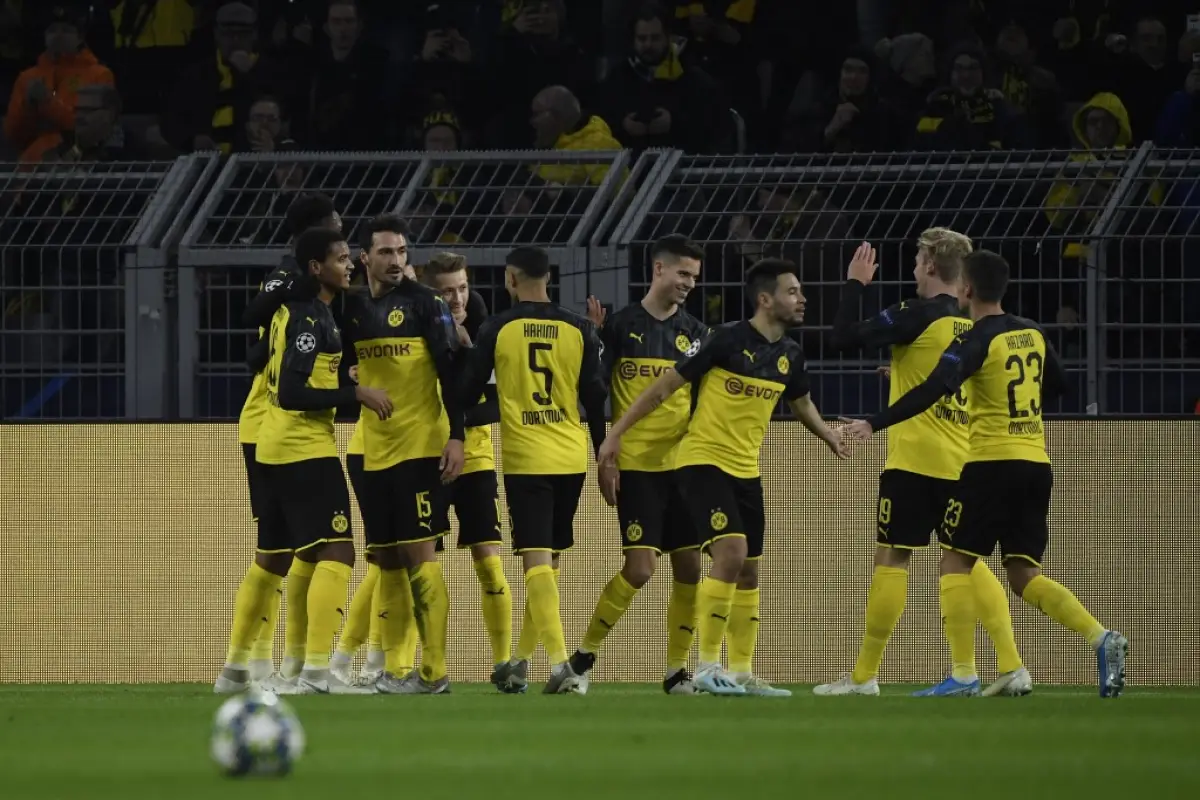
(481, 551)
(728, 556)
(748, 576)
(274, 563)
(639, 567)
(955, 563)
(388, 558)
(686, 566)
(1020, 573)
(418, 553)
(892, 557)
(341, 552)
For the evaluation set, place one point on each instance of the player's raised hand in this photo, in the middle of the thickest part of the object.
(596, 312)
(374, 399)
(855, 430)
(863, 265)
(452, 461)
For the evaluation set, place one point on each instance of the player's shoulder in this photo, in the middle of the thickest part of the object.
(419, 293)
(1017, 323)
(551, 313)
(624, 318)
(691, 325)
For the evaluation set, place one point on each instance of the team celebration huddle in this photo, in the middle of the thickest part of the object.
(967, 464)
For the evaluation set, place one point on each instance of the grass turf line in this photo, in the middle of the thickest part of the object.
(622, 740)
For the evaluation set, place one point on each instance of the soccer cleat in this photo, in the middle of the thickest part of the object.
(412, 683)
(323, 681)
(714, 680)
(581, 664)
(515, 677)
(279, 684)
(679, 682)
(951, 688)
(261, 669)
(845, 685)
(1011, 684)
(339, 667)
(1110, 663)
(229, 685)
(373, 667)
(760, 688)
(563, 680)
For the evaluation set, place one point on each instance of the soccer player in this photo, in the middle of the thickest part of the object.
(641, 341)
(1003, 494)
(405, 343)
(474, 495)
(925, 454)
(305, 490)
(285, 282)
(743, 369)
(546, 362)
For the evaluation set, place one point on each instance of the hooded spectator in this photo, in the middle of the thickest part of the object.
(210, 104)
(851, 118)
(653, 99)
(43, 97)
(965, 114)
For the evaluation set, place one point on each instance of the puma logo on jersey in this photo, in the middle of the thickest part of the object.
(638, 336)
(748, 355)
(311, 320)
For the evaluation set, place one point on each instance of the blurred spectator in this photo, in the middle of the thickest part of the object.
(1028, 88)
(444, 76)
(965, 115)
(1179, 124)
(43, 97)
(98, 134)
(912, 77)
(534, 51)
(347, 80)
(559, 123)
(1141, 73)
(653, 100)
(851, 118)
(151, 37)
(208, 108)
(1070, 38)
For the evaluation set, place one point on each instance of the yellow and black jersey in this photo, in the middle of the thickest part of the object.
(1007, 368)
(302, 385)
(933, 443)
(638, 348)
(547, 362)
(479, 417)
(742, 376)
(404, 343)
(275, 289)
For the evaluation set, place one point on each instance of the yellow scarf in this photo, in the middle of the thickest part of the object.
(223, 116)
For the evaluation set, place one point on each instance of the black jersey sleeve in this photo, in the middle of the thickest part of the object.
(961, 360)
(305, 338)
(593, 387)
(719, 344)
(901, 323)
(442, 341)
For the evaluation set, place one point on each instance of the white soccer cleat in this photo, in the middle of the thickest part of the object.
(846, 685)
(711, 679)
(373, 668)
(323, 681)
(1017, 683)
(279, 684)
(261, 669)
(229, 686)
(339, 667)
(679, 682)
(757, 686)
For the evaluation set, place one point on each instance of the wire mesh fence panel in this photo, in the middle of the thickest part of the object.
(1040, 210)
(1149, 298)
(66, 237)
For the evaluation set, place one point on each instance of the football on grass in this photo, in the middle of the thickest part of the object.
(256, 733)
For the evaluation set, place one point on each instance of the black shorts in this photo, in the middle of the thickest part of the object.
(1000, 502)
(354, 467)
(269, 538)
(722, 505)
(476, 503)
(407, 505)
(652, 513)
(910, 509)
(308, 499)
(541, 509)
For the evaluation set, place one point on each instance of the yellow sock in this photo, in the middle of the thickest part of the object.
(394, 612)
(613, 603)
(373, 641)
(991, 601)
(295, 636)
(741, 636)
(250, 608)
(541, 599)
(527, 642)
(714, 600)
(358, 620)
(681, 624)
(497, 606)
(264, 643)
(1059, 604)
(885, 604)
(326, 609)
(958, 618)
(406, 653)
(431, 610)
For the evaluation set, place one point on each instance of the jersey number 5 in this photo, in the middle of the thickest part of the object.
(1033, 360)
(545, 398)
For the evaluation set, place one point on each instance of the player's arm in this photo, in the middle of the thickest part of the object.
(485, 412)
(442, 341)
(280, 286)
(798, 396)
(478, 364)
(962, 359)
(305, 338)
(610, 351)
(1054, 378)
(593, 388)
(901, 323)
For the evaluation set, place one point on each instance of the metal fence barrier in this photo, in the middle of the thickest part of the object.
(123, 284)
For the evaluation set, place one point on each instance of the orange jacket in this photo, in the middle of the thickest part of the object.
(25, 123)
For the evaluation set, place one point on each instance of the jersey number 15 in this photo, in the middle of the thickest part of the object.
(546, 397)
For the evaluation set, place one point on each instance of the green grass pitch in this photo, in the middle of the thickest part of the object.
(620, 741)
